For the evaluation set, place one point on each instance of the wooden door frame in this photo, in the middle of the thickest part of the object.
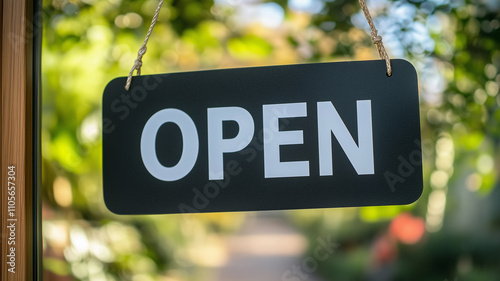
(20, 38)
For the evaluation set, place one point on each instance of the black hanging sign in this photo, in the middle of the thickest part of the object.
(265, 138)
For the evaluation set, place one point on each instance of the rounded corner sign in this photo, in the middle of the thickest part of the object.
(264, 138)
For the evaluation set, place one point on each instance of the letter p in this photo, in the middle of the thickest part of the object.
(217, 145)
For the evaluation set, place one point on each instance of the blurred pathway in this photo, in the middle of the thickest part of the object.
(264, 249)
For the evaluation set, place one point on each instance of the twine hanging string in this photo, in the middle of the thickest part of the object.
(376, 39)
(143, 48)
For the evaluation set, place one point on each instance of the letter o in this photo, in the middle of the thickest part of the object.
(190, 145)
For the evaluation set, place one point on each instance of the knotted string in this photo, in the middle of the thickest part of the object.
(376, 39)
(142, 50)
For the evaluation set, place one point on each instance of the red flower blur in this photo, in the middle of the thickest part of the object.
(407, 228)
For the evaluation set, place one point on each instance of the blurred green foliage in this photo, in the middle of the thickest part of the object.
(453, 44)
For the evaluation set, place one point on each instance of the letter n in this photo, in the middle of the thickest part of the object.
(361, 154)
